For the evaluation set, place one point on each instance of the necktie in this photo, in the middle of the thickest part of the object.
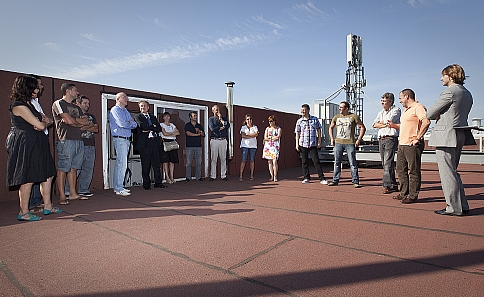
(149, 120)
(150, 123)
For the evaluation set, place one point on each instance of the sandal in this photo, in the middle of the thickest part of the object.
(54, 209)
(241, 179)
(64, 202)
(74, 198)
(28, 217)
(275, 179)
(252, 177)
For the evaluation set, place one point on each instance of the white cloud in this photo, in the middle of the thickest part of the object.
(91, 37)
(150, 59)
(312, 9)
(275, 25)
(160, 24)
(51, 46)
(416, 3)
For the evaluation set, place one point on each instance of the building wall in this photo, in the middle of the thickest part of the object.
(93, 92)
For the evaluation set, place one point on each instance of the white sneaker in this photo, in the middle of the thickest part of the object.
(323, 182)
(123, 193)
(305, 181)
(127, 190)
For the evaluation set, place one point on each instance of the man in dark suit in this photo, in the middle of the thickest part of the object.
(148, 144)
(450, 112)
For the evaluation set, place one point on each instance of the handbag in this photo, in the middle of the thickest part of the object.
(170, 145)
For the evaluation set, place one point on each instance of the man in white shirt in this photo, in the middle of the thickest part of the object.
(388, 140)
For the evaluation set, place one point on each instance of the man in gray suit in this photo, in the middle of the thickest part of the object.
(450, 112)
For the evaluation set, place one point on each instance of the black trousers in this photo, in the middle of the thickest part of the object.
(313, 151)
(150, 157)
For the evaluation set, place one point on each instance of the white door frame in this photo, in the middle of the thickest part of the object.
(157, 103)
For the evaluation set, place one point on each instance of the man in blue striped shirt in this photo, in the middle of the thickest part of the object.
(308, 140)
(120, 123)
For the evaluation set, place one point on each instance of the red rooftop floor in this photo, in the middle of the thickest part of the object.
(251, 238)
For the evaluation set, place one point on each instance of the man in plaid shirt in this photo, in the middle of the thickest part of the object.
(308, 140)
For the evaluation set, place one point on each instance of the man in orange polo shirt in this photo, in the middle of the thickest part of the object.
(413, 125)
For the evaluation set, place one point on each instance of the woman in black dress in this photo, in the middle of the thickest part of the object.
(29, 159)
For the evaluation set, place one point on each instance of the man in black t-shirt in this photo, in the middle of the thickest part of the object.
(194, 133)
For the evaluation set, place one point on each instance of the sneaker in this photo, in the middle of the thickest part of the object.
(123, 193)
(305, 181)
(332, 184)
(323, 182)
(356, 185)
(127, 190)
(86, 194)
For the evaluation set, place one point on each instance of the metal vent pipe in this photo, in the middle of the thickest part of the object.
(230, 116)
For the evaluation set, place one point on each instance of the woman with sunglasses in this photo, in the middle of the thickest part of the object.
(248, 145)
(272, 137)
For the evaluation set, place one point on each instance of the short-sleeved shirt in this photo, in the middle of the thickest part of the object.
(410, 123)
(193, 141)
(393, 115)
(249, 142)
(87, 136)
(168, 128)
(65, 131)
(307, 129)
(345, 128)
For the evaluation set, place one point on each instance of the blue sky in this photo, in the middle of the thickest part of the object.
(280, 54)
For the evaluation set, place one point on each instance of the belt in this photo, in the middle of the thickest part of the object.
(218, 138)
(127, 138)
(387, 137)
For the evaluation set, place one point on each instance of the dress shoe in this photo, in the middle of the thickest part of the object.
(187, 179)
(159, 186)
(398, 197)
(408, 200)
(201, 179)
(225, 179)
(212, 179)
(388, 190)
(146, 188)
(466, 211)
(444, 212)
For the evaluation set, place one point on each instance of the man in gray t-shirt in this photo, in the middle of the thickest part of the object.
(69, 119)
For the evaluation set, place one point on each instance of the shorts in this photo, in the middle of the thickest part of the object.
(248, 154)
(70, 154)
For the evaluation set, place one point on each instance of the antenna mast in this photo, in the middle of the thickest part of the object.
(355, 75)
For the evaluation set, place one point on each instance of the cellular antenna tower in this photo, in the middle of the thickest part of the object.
(355, 74)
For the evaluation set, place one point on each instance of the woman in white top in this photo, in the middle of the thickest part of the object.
(248, 145)
(168, 133)
(272, 137)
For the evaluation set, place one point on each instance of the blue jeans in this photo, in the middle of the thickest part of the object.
(338, 156)
(248, 154)
(190, 153)
(122, 148)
